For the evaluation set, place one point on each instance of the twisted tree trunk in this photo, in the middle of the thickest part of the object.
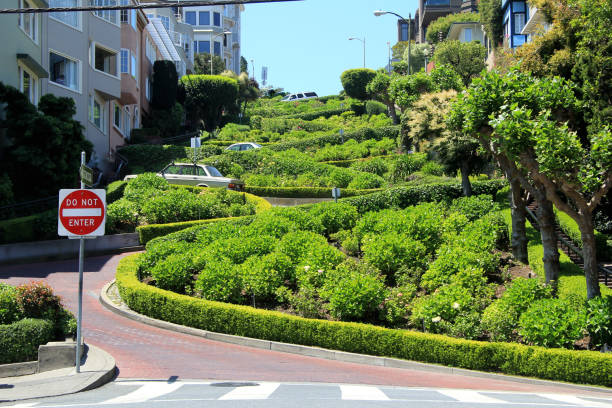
(589, 255)
(466, 186)
(546, 221)
(519, 214)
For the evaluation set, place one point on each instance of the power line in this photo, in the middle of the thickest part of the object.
(161, 4)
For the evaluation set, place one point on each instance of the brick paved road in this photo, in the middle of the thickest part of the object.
(143, 351)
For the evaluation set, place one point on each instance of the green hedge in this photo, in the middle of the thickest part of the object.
(147, 232)
(328, 113)
(304, 192)
(114, 191)
(359, 135)
(554, 364)
(347, 163)
(19, 341)
(569, 226)
(224, 143)
(403, 197)
(37, 227)
(143, 158)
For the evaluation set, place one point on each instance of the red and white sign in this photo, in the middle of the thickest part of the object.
(81, 212)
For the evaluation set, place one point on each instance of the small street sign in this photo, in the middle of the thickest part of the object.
(86, 175)
(196, 142)
(81, 212)
(336, 193)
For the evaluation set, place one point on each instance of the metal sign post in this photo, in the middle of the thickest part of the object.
(81, 215)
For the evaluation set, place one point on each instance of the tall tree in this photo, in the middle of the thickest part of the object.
(244, 65)
(467, 59)
(378, 88)
(206, 96)
(201, 64)
(491, 18)
(165, 84)
(532, 131)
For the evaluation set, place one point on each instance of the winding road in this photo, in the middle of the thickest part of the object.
(145, 352)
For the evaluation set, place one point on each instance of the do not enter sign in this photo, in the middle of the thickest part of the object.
(81, 212)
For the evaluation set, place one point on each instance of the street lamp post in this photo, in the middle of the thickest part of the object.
(363, 41)
(212, 37)
(379, 13)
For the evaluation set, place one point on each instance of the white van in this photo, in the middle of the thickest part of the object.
(299, 96)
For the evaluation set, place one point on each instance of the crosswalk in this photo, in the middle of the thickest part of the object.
(132, 394)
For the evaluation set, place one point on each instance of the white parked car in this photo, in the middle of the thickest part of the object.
(242, 146)
(299, 96)
(196, 175)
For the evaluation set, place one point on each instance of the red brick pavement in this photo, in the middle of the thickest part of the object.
(143, 351)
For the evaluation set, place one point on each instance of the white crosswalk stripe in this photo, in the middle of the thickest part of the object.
(471, 397)
(570, 399)
(362, 393)
(146, 392)
(260, 391)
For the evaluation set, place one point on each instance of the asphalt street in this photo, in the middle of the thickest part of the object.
(226, 394)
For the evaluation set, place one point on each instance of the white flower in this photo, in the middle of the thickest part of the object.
(436, 319)
(455, 305)
(306, 268)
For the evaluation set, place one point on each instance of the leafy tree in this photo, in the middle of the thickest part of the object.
(355, 81)
(442, 25)
(491, 18)
(467, 59)
(379, 89)
(244, 65)
(535, 135)
(425, 120)
(201, 64)
(165, 84)
(248, 88)
(397, 51)
(417, 56)
(445, 77)
(42, 147)
(206, 96)
(400, 67)
(405, 90)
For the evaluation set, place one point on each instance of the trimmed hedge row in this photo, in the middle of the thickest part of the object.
(555, 364)
(224, 143)
(359, 135)
(147, 232)
(403, 197)
(143, 158)
(328, 113)
(347, 163)
(19, 341)
(305, 192)
(36, 227)
(114, 191)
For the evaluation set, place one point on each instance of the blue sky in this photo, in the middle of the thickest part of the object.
(305, 44)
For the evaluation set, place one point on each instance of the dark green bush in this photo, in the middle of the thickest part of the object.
(144, 187)
(375, 108)
(19, 341)
(433, 169)
(220, 280)
(552, 323)
(121, 216)
(327, 113)
(262, 276)
(9, 307)
(175, 271)
(359, 135)
(377, 166)
(36, 300)
(402, 197)
(305, 192)
(356, 294)
(365, 181)
(335, 216)
(355, 81)
(390, 251)
(599, 320)
(474, 207)
(153, 158)
(165, 84)
(115, 190)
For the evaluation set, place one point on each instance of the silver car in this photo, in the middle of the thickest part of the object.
(196, 175)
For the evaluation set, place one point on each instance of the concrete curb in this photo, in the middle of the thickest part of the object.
(98, 369)
(309, 351)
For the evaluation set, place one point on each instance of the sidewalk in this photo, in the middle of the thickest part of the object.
(98, 368)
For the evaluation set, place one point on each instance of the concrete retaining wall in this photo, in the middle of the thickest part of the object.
(65, 248)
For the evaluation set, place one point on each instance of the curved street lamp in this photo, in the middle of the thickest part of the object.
(379, 13)
(363, 41)
(212, 37)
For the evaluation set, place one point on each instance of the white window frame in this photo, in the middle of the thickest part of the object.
(33, 34)
(100, 14)
(34, 83)
(116, 107)
(92, 59)
(124, 52)
(79, 72)
(148, 89)
(103, 115)
(126, 122)
(79, 26)
(465, 34)
(134, 65)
